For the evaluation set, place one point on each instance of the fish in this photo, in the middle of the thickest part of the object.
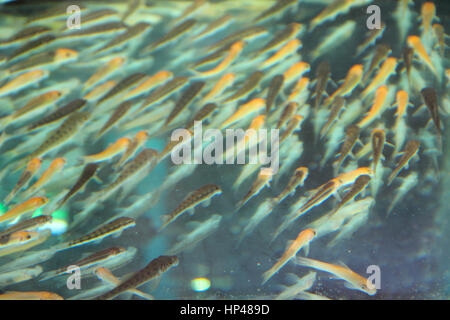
(32, 168)
(300, 92)
(89, 171)
(408, 182)
(100, 90)
(44, 60)
(336, 37)
(105, 275)
(357, 187)
(221, 85)
(337, 105)
(113, 228)
(131, 32)
(291, 30)
(30, 295)
(22, 81)
(148, 84)
(352, 79)
(373, 36)
(214, 26)
(58, 114)
(275, 86)
(185, 100)
(296, 71)
(138, 141)
(202, 114)
(351, 137)
(328, 189)
(291, 126)
(302, 241)
(111, 151)
(263, 179)
(440, 35)
(172, 35)
(28, 225)
(119, 112)
(288, 113)
(103, 72)
(99, 30)
(407, 55)
(300, 286)
(239, 35)
(89, 263)
(377, 107)
(430, 97)
(24, 208)
(415, 43)
(123, 85)
(32, 46)
(233, 54)
(298, 179)
(246, 88)
(378, 141)
(322, 77)
(380, 53)
(354, 280)
(203, 194)
(411, 149)
(28, 33)
(285, 51)
(279, 6)
(163, 91)
(428, 14)
(154, 269)
(21, 241)
(386, 70)
(335, 8)
(18, 276)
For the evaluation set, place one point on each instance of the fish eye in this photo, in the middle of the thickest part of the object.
(28, 237)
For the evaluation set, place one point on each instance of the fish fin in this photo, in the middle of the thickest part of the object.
(190, 211)
(306, 249)
(206, 203)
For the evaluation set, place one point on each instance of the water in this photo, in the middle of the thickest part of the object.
(408, 245)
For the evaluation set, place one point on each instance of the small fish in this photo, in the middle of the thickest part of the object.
(351, 137)
(203, 194)
(104, 71)
(288, 113)
(440, 35)
(105, 275)
(119, 112)
(402, 102)
(322, 77)
(215, 26)
(431, 101)
(111, 151)
(275, 86)
(386, 70)
(354, 280)
(336, 37)
(88, 172)
(244, 110)
(291, 126)
(23, 208)
(296, 180)
(428, 14)
(279, 6)
(336, 107)
(28, 225)
(185, 99)
(123, 85)
(22, 81)
(411, 149)
(50, 14)
(233, 53)
(173, 34)
(335, 8)
(114, 227)
(202, 114)
(163, 91)
(154, 269)
(378, 141)
(96, 17)
(32, 168)
(90, 262)
(60, 135)
(288, 49)
(357, 187)
(30, 295)
(377, 107)
(239, 35)
(45, 60)
(128, 35)
(407, 55)
(328, 189)
(148, 84)
(18, 276)
(415, 43)
(138, 141)
(58, 114)
(249, 84)
(302, 241)
(296, 71)
(222, 84)
(32, 46)
(380, 53)
(100, 90)
(352, 79)
(28, 33)
(98, 30)
(286, 34)
(371, 38)
(408, 182)
(300, 92)
(263, 179)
